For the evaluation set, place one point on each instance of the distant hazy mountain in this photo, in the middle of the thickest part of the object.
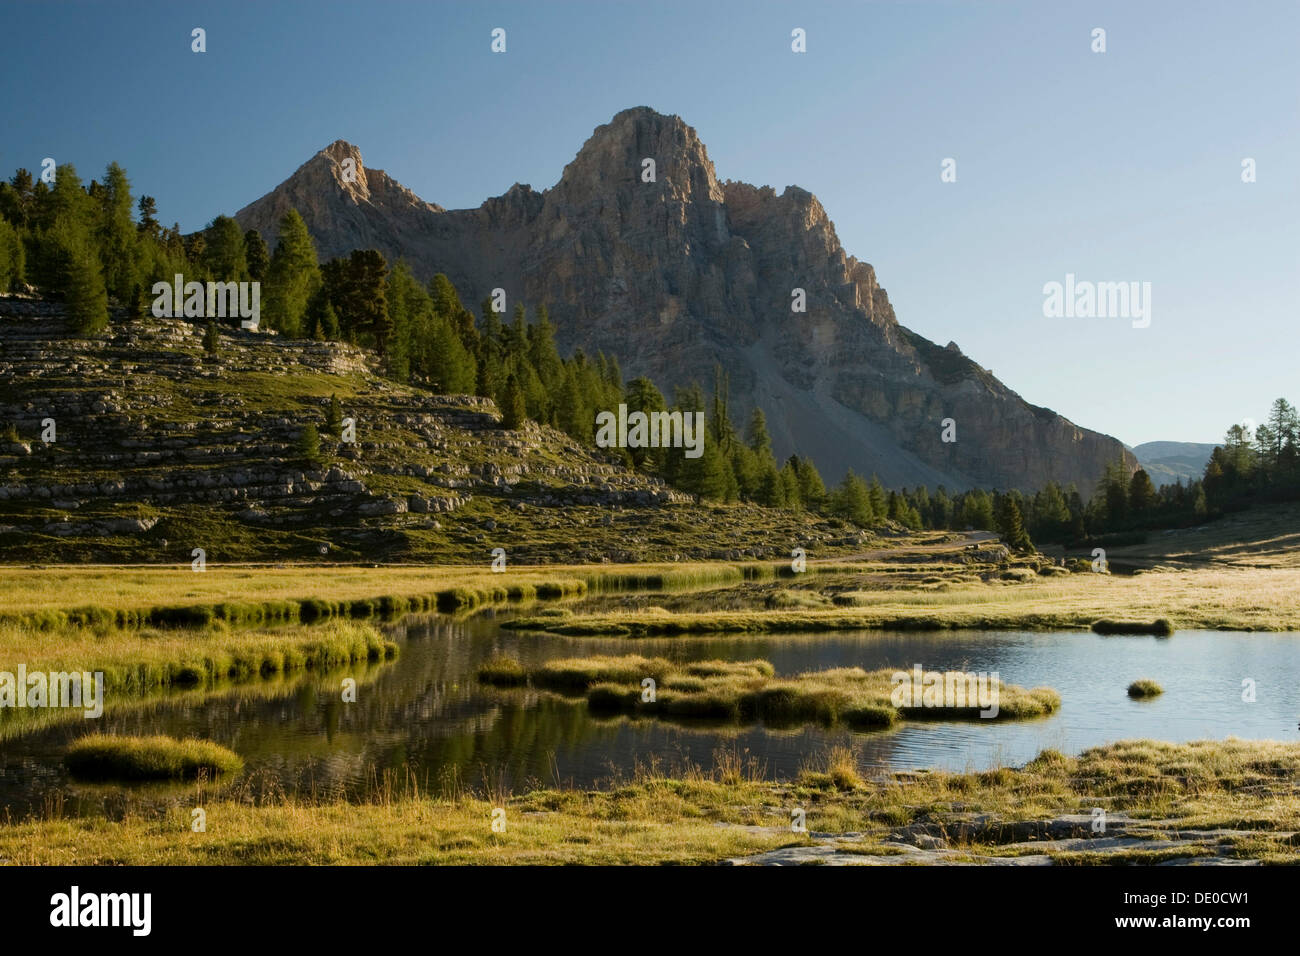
(674, 270)
(1168, 462)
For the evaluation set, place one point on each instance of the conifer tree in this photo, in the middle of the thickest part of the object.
(13, 259)
(756, 435)
(513, 412)
(852, 500)
(256, 255)
(879, 503)
(84, 288)
(308, 446)
(148, 226)
(1010, 525)
(292, 276)
(642, 396)
(211, 339)
(1141, 493)
(334, 418)
(116, 235)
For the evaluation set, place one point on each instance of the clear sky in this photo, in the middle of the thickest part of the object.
(1115, 166)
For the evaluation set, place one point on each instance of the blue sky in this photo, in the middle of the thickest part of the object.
(1118, 166)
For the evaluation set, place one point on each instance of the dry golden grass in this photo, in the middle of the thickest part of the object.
(1265, 537)
(1240, 786)
(1266, 599)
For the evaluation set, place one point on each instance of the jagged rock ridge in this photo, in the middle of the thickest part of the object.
(676, 275)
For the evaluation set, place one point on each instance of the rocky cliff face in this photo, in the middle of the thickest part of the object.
(679, 274)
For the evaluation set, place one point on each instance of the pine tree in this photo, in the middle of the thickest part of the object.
(513, 412)
(84, 289)
(879, 503)
(212, 339)
(449, 364)
(256, 255)
(12, 258)
(756, 436)
(1011, 527)
(364, 306)
(771, 490)
(334, 418)
(19, 200)
(812, 490)
(225, 258)
(149, 227)
(138, 304)
(329, 322)
(571, 414)
(446, 302)
(1141, 493)
(308, 446)
(976, 510)
(116, 237)
(852, 500)
(292, 276)
(706, 476)
(643, 396)
(541, 351)
(790, 486)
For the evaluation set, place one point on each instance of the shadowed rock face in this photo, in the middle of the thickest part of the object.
(677, 275)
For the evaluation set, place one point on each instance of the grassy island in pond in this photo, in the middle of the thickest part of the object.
(750, 690)
(104, 757)
(1144, 689)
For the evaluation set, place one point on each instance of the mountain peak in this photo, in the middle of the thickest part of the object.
(640, 251)
(340, 150)
(616, 153)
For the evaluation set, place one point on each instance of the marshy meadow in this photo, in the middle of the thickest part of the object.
(688, 712)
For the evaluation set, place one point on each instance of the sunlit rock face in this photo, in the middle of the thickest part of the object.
(684, 273)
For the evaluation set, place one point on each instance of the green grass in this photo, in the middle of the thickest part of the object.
(104, 757)
(1144, 689)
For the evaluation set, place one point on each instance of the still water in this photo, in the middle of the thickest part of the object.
(426, 711)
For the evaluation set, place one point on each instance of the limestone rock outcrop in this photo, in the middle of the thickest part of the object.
(687, 272)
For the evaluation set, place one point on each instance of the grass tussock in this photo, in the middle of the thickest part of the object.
(1161, 627)
(1144, 689)
(105, 757)
(751, 691)
(503, 672)
(837, 769)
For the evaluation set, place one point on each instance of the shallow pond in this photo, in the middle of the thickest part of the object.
(426, 710)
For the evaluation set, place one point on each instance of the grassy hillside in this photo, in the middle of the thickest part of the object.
(1266, 536)
(160, 448)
